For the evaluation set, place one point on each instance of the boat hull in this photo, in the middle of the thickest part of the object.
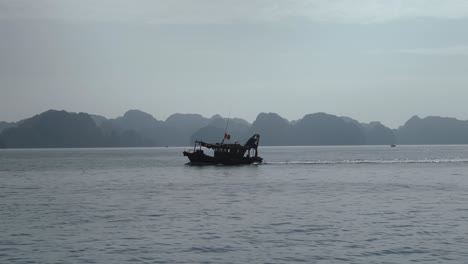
(199, 158)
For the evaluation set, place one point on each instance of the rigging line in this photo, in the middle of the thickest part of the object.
(225, 129)
(227, 123)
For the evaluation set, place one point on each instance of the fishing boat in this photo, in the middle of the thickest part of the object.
(225, 154)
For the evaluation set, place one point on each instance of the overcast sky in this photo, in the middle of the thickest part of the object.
(371, 60)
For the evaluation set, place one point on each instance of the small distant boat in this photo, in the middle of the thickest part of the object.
(392, 145)
(225, 154)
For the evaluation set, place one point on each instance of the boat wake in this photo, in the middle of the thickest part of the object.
(338, 162)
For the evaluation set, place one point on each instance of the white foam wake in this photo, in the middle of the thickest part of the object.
(335, 162)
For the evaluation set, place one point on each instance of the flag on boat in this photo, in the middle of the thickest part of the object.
(227, 136)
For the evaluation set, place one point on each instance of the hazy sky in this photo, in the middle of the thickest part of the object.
(368, 59)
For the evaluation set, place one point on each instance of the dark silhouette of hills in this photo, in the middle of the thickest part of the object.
(214, 131)
(134, 129)
(433, 130)
(59, 129)
(178, 128)
(136, 120)
(175, 131)
(98, 119)
(374, 132)
(53, 129)
(329, 130)
(5, 125)
(312, 129)
(378, 134)
(325, 129)
(274, 129)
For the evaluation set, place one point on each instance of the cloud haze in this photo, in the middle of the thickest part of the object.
(233, 11)
(453, 51)
(368, 59)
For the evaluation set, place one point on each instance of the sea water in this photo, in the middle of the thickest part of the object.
(357, 204)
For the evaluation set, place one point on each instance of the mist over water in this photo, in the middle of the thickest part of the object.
(359, 204)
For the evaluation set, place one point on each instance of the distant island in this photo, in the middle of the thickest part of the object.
(62, 129)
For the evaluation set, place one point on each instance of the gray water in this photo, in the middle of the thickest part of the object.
(305, 204)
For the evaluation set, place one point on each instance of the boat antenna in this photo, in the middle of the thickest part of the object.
(225, 129)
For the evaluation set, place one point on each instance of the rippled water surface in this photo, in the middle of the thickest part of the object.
(305, 204)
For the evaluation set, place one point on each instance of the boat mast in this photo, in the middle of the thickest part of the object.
(225, 129)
